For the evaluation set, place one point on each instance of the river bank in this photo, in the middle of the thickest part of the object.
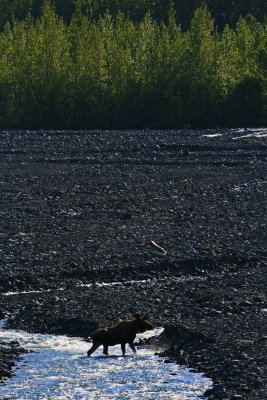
(179, 217)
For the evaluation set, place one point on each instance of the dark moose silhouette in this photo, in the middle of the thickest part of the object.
(124, 332)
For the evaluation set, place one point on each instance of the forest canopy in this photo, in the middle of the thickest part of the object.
(223, 11)
(117, 64)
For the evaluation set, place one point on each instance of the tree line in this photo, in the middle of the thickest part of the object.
(223, 11)
(119, 72)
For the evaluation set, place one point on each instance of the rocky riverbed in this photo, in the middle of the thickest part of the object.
(173, 222)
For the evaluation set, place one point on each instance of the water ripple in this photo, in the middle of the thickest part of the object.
(59, 369)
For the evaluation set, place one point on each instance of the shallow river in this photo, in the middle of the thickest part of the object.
(60, 369)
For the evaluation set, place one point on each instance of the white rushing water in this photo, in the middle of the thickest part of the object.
(60, 370)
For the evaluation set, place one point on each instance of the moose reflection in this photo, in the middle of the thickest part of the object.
(124, 332)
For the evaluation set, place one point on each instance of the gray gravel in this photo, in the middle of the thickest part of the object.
(84, 207)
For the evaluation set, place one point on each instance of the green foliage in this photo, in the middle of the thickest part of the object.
(114, 72)
(200, 68)
(223, 11)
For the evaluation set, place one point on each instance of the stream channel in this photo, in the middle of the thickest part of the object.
(98, 180)
(58, 368)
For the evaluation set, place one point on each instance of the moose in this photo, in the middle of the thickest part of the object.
(122, 333)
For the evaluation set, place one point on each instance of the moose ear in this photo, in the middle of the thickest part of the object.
(137, 316)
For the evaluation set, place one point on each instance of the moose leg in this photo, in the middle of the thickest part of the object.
(105, 351)
(123, 348)
(93, 348)
(132, 347)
